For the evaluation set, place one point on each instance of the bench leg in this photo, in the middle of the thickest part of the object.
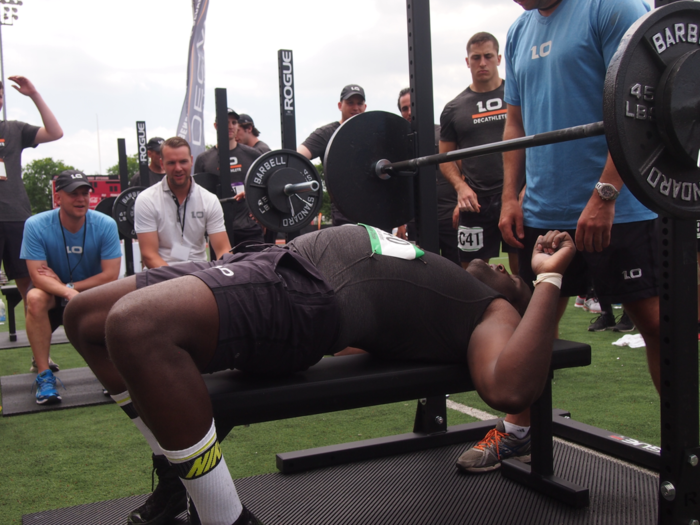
(12, 303)
(429, 431)
(539, 475)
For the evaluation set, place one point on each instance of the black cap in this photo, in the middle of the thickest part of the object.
(350, 90)
(155, 144)
(245, 119)
(71, 180)
(230, 112)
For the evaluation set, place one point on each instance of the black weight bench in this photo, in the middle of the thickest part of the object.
(342, 383)
(13, 298)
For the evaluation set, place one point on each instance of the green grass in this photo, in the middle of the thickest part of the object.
(71, 457)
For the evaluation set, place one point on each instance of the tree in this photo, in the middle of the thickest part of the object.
(37, 176)
(132, 166)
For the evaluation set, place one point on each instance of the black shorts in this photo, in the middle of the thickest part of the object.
(447, 237)
(479, 236)
(277, 315)
(626, 271)
(55, 313)
(11, 234)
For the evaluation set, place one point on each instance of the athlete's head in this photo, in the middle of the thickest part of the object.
(497, 277)
(483, 58)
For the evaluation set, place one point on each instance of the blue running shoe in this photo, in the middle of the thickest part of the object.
(46, 393)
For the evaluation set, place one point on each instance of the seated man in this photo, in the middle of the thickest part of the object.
(173, 217)
(68, 250)
(282, 310)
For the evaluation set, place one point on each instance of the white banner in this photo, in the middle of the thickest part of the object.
(191, 126)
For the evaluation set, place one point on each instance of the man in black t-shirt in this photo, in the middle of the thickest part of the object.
(446, 197)
(239, 225)
(477, 116)
(156, 171)
(14, 202)
(248, 134)
(352, 102)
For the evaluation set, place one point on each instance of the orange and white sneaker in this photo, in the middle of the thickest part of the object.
(496, 446)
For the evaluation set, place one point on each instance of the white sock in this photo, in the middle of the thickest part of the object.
(124, 402)
(518, 431)
(203, 471)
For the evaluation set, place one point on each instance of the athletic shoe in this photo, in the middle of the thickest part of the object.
(625, 324)
(246, 517)
(605, 321)
(53, 366)
(496, 446)
(46, 393)
(579, 301)
(592, 305)
(167, 500)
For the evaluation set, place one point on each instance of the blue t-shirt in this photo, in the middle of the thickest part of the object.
(43, 241)
(555, 71)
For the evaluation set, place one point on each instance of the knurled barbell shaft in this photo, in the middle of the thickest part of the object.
(384, 168)
(301, 187)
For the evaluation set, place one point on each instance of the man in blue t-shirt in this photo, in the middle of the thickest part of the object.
(68, 250)
(557, 55)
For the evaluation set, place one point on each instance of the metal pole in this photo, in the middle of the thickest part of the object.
(541, 139)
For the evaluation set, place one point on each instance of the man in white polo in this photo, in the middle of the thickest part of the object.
(173, 218)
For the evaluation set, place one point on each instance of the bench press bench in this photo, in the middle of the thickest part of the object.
(343, 383)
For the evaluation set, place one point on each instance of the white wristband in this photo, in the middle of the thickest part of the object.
(550, 277)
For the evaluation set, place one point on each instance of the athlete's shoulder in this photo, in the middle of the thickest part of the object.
(42, 219)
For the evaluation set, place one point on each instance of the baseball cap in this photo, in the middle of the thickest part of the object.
(245, 119)
(350, 90)
(70, 180)
(155, 144)
(230, 112)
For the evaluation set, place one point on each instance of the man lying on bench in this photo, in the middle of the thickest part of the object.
(279, 311)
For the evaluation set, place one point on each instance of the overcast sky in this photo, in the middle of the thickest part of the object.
(119, 62)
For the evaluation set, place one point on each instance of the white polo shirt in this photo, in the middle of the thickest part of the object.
(180, 228)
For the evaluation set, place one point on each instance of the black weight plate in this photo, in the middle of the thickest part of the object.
(264, 184)
(648, 161)
(105, 205)
(208, 181)
(123, 211)
(349, 169)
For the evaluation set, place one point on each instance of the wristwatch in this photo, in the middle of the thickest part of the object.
(71, 286)
(606, 191)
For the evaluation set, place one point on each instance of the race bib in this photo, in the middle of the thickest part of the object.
(384, 243)
(470, 239)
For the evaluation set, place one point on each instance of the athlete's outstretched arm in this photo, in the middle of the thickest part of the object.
(509, 358)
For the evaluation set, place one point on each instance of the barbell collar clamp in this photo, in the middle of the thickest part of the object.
(301, 187)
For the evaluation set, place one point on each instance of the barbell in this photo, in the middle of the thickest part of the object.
(651, 124)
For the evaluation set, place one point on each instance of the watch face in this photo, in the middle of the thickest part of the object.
(607, 192)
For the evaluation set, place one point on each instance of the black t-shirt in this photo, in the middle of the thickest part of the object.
(236, 213)
(424, 309)
(317, 143)
(152, 175)
(472, 119)
(446, 194)
(14, 137)
(261, 147)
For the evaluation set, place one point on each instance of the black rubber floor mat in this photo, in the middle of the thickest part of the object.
(58, 338)
(422, 488)
(81, 389)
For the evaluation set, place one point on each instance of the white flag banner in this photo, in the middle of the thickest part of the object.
(190, 126)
